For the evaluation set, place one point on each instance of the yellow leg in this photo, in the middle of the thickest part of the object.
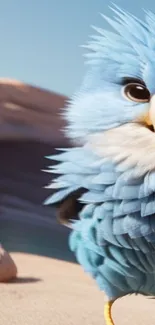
(107, 313)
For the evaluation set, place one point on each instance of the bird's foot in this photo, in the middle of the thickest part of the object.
(107, 312)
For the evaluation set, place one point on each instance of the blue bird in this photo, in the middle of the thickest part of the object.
(106, 183)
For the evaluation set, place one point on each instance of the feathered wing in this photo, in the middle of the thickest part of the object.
(93, 180)
(113, 236)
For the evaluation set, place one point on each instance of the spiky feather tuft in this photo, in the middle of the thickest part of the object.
(128, 51)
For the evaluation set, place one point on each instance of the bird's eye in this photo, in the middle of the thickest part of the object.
(136, 92)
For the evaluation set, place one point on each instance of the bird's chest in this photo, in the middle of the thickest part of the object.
(122, 210)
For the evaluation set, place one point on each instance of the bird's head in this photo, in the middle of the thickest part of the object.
(117, 96)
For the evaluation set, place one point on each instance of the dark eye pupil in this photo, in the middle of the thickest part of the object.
(137, 93)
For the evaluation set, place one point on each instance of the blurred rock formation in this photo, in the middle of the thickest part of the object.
(30, 124)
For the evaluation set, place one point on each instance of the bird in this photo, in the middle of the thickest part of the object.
(104, 186)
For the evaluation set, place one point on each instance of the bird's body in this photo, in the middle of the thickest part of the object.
(114, 241)
(113, 118)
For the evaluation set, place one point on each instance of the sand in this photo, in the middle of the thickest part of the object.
(55, 292)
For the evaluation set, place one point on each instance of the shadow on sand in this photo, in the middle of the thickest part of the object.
(24, 280)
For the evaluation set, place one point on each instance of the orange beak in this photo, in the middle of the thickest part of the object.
(149, 118)
(151, 113)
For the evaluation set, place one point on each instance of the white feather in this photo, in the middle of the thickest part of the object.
(130, 145)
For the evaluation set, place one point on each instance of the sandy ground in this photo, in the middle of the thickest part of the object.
(55, 292)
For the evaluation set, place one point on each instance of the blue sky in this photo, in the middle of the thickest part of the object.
(40, 39)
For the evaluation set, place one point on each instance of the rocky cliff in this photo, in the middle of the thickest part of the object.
(30, 126)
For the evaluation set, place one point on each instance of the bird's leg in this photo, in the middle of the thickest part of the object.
(107, 312)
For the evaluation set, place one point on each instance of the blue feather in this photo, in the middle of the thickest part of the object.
(60, 195)
(125, 207)
(87, 211)
(106, 178)
(104, 231)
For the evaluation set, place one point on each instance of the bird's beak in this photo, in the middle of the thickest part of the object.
(149, 118)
